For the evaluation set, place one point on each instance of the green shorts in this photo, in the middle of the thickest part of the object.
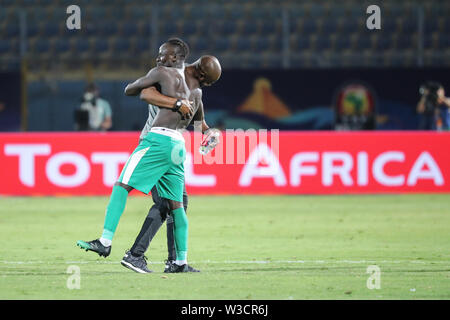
(158, 159)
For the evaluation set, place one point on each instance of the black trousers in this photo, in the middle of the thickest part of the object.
(427, 122)
(156, 216)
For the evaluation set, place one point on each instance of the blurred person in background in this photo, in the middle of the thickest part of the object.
(94, 113)
(444, 110)
(433, 107)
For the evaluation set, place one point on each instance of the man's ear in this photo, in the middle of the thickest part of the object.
(177, 57)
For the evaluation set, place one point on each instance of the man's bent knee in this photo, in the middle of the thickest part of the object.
(175, 204)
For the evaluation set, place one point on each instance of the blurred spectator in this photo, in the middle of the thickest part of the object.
(94, 113)
(431, 107)
(444, 110)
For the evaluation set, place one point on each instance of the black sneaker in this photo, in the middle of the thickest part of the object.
(191, 269)
(168, 263)
(96, 246)
(174, 268)
(137, 264)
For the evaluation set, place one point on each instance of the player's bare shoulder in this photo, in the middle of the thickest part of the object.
(196, 94)
(162, 71)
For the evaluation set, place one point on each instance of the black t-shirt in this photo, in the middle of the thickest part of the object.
(430, 106)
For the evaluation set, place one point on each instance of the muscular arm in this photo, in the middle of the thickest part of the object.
(421, 105)
(154, 97)
(153, 77)
(200, 114)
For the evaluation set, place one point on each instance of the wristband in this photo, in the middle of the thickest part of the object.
(177, 105)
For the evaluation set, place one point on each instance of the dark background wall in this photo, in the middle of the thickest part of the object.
(10, 101)
(307, 94)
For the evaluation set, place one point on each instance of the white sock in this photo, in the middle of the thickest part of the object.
(105, 242)
(180, 262)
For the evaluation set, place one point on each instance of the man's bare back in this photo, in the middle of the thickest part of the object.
(173, 84)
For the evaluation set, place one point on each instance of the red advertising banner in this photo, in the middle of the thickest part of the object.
(249, 162)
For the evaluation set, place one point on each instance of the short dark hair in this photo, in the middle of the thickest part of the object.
(183, 47)
(434, 85)
(91, 87)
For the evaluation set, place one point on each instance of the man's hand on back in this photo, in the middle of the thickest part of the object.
(186, 109)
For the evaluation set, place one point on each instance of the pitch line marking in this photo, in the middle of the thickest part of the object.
(242, 262)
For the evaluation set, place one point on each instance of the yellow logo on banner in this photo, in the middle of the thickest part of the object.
(264, 101)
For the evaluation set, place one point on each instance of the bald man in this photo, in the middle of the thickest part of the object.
(203, 72)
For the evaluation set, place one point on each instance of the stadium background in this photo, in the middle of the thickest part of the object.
(254, 231)
(327, 41)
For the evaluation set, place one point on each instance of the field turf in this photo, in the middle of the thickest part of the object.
(247, 247)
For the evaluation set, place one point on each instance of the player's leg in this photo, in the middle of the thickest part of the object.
(134, 258)
(154, 220)
(114, 211)
(171, 186)
(116, 207)
(170, 237)
(142, 171)
(159, 163)
(180, 231)
(171, 252)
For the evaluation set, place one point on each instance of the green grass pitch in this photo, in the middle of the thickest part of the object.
(247, 247)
